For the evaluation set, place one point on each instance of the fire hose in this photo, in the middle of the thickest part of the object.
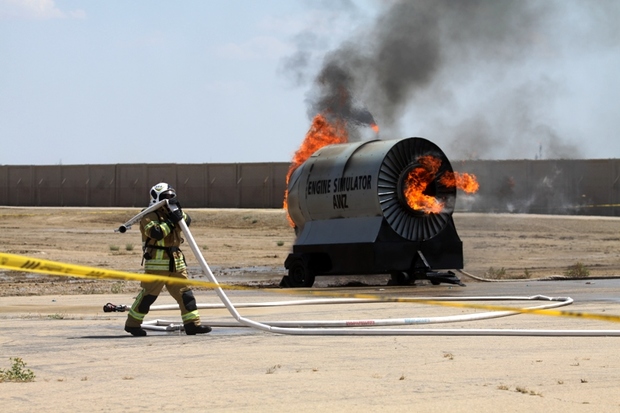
(556, 302)
(356, 327)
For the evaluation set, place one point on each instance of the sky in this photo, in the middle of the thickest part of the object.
(205, 81)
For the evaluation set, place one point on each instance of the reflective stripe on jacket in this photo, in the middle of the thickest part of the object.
(160, 240)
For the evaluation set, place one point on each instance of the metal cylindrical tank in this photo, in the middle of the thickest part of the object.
(366, 179)
(352, 216)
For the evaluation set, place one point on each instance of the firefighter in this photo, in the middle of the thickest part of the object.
(161, 238)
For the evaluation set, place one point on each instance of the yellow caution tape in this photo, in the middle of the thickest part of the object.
(36, 265)
(28, 264)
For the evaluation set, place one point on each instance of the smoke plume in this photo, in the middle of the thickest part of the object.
(478, 77)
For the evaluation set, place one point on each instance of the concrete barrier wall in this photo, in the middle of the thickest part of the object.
(256, 185)
(589, 187)
(585, 187)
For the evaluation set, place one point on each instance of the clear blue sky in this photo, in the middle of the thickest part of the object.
(120, 81)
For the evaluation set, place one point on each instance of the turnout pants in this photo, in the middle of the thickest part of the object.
(151, 290)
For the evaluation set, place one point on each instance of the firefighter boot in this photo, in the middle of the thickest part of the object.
(192, 329)
(135, 331)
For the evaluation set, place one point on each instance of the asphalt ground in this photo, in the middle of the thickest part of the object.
(84, 361)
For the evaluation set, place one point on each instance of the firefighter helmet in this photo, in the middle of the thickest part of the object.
(162, 191)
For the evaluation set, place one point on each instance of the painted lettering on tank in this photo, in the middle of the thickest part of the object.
(319, 187)
(352, 183)
(346, 184)
(340, 201)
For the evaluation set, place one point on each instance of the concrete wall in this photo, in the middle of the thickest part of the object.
(589, 187)
(256, 185)
(585, 187)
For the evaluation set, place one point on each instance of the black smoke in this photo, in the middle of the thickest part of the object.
(461, 68)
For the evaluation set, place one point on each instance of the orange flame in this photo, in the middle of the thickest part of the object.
(374, 127)
(320, 134)
(466, 182)
(420, 177)
(416, 183)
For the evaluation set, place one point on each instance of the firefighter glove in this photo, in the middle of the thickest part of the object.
(176, 216)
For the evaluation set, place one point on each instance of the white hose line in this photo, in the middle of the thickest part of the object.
(127, 225)
(565, 300)
(271, 303)
(169, 326)
(162, 325)
(558, 302)
(450, 332)
(364, 331)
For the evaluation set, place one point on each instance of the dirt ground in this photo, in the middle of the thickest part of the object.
(256, 242)
(84, 361)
